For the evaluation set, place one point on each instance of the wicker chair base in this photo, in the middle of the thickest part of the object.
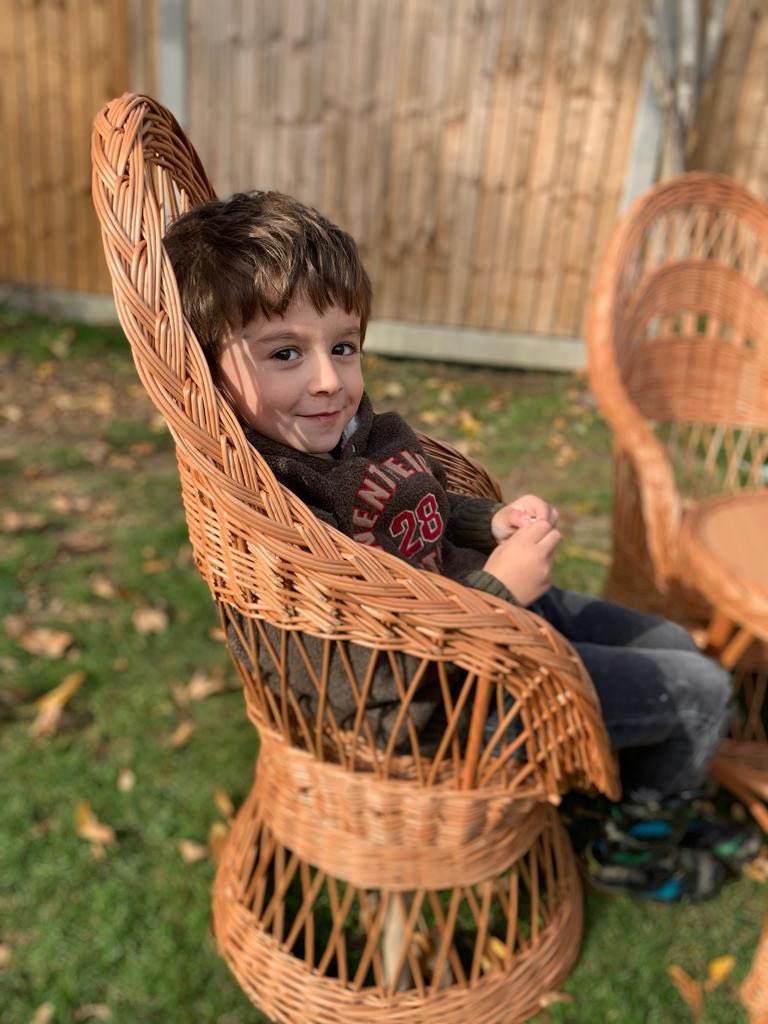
(307, 947)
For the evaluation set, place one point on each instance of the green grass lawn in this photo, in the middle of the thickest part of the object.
(93, 549)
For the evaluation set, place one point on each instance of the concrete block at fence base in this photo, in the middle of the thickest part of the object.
(470, 345)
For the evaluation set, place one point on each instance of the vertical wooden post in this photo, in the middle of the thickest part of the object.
(171, 68)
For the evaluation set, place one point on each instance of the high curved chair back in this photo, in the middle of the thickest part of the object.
(420, 876)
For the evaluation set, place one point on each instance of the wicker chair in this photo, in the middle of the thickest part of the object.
(678, 362)
(361, 882)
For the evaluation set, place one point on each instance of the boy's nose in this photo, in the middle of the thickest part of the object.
(325, 377)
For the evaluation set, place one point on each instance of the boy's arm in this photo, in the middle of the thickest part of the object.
(480, 579)
(469, 522)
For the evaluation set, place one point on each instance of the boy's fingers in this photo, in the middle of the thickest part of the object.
(516, 518)
(538, 528)
(550, 541)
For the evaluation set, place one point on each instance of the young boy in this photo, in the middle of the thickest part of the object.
(279, 300)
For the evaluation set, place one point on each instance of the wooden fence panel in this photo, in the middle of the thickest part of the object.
(447, 136)
(60, 61)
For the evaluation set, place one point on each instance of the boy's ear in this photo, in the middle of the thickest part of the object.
(226, 339)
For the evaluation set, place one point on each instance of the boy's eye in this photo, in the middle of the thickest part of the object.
(285, 354)
(345, 348)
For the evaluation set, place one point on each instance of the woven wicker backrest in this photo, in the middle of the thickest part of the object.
(678, 337)
(299, 599)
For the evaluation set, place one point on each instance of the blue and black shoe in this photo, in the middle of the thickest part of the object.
(689, 823)
(668, 876)
(734, 844)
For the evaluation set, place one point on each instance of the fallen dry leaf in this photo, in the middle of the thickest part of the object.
(181, 734)
(495, 955)
(103, 587)
(94, 452)
(45, 642)
(180, 695)
(45, 369)
(149, 620)
(142, 448)
(102, 401)
(469, 423)
(12, 521)
(14, 625)
(5, 954)
(81, 542)
(126, 780)
(12, 413)
(689, 989)
(553, 998)
(105, 509)
(118, 460)
(92, 1011)
(217, 838)
(223, 802)
(66, 504)
(155, 565)
(718, 970)
(51, 704)
(565, 455)
(218, 634)
(43, 1014)
(88, 826)
(201, 685)
(192, 852)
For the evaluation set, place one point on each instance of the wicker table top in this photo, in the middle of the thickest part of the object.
(724, 553)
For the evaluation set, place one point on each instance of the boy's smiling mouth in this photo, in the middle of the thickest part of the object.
(322, 417)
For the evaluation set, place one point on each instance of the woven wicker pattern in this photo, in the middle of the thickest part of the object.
(678, 361)
(421, 879)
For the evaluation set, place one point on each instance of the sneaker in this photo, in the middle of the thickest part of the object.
(733, 844)
(670, 876)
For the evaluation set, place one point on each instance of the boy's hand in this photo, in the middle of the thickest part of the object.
(523, 562)
(529, 508)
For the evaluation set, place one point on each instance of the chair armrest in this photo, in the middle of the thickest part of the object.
(633, 439)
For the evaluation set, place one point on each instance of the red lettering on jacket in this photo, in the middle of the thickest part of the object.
(374, 494)
(394, 465)
(362, 517)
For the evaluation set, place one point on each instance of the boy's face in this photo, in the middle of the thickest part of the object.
(296, 379)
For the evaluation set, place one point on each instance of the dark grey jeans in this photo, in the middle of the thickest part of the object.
(665, 705)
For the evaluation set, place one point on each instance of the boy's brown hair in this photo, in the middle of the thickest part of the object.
(251, 254)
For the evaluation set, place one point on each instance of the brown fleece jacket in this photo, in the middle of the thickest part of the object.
(382, 489)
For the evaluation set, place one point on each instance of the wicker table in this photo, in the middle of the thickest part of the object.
(724, 551)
